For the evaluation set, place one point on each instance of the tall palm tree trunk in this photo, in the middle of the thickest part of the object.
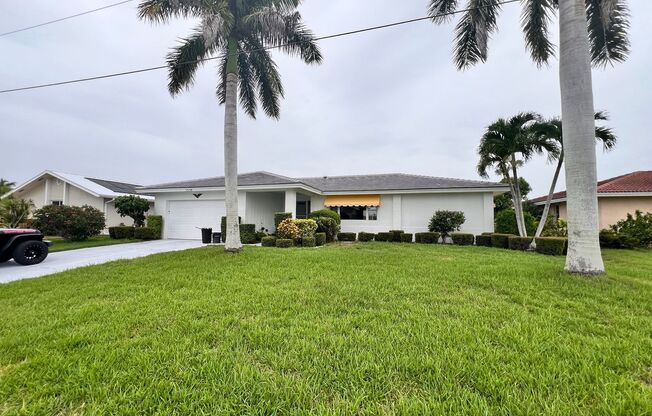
(578, 130)
(546, 206)
(517, 199)
(233, 242)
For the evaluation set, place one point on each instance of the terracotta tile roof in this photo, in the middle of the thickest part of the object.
(640, 181)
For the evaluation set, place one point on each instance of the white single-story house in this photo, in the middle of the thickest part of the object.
(58, 188)
(372, 203)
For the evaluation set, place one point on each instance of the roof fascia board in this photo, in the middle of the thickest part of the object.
(53, 174)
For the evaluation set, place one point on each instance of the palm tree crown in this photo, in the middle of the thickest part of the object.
(607, 22)
(239, 29)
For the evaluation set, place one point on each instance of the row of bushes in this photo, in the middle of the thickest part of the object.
(400, 236)
(554, 246)
(319, 239)
(151, 232)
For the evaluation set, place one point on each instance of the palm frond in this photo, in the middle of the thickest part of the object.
(268, 79)
(247, 85)
(161, 11)
(473, 32)
(535, 18)
(184, 60)
(608, 24)
(221, 83)
(440, 11)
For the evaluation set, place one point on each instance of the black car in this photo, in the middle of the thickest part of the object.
(25, 246)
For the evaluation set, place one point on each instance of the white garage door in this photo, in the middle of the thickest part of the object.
(184, 217)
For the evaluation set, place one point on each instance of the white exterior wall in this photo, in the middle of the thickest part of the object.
(261, 207)
(416, 211)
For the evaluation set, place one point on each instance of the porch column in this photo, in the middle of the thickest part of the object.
(65, 194)
(291, 202)
(46, 194)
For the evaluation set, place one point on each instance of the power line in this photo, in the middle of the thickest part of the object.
(336, 35)
(65, 18)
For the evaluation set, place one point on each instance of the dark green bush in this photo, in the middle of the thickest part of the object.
(346, 236)
(462, 239)
(121, 232)
(223, 227)
(156, 223)
(284, 242)
(445, 222)
(396, 235)
(326, 213)
(426, 238)
(384, 236)
(553, 246)
(500, 240)
(268, 241)
(406, 237)
(320, 239)
(483, 240)
(611, 239)
(519, 243)
(505, 222)
(71, 223)
(146, 233)
(308, 241)
(637, 227)
(280, 216)
(248, 233)
(328, 226)
(363, 236)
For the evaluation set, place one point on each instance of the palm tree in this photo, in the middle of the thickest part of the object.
(499, 148)
(238, 33)
(6, 186)
(590, 31)
(552, 130)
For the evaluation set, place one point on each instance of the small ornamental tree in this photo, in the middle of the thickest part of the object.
(14, 211)
(132, 206)
(71, 223)
(445, 222)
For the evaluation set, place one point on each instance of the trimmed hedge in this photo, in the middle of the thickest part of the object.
(519, 243)
(363, 236)
(223, 228)
(308, 242)
(611, 239)
(320, 239)
(396, 235)
(346, 236)
(156, 222)
(427, 238)
(552, 246)
(326, 213)
(406, 237)
(248, 233)
(121, 232)
(328, 226)
(384, 237)
(500, 240)
(483, 240)
(462, 239)
(268, 241)
(280, 216)
(146, 233)
(284, 242)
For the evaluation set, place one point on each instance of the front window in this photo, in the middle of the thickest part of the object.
(357, 213)
(57, 202)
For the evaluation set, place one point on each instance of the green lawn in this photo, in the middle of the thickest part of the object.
(99, 240)
(373, 328)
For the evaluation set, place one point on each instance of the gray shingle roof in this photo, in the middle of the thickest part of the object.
(354, 183)
(125, 188)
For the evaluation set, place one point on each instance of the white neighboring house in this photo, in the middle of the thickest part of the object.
(58, 188)
(372, 203)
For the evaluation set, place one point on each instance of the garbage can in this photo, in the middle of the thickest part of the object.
(217, 238)
(206, 235)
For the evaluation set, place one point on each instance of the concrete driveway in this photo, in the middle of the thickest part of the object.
(66, 260)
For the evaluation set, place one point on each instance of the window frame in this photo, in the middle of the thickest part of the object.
(365, 213)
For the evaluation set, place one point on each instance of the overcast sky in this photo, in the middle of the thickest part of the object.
(384, 101)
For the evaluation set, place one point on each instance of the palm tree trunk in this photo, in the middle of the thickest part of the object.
(518, 202)
(546, 207)
(578, 131)
(232, 243)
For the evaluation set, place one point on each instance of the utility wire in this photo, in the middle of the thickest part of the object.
(336, 35)
(65, 18)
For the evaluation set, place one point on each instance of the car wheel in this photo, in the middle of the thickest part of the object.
(30, 252)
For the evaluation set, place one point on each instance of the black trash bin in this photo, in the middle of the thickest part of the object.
(206, 235)
(217, 238)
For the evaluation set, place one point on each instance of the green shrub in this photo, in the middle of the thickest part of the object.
(406, 237)
(248, 233)
(611, 239)
(505, 222)
(346, 236)
(363, 236)
(223, 227)
(156, 223)
(396, 235)
(308, 241)
(519, 243)
(500, 240)
(384, 237)
(445, 222)
(71, 223)
(121, 232)
(280, 216)
(132, 206)
(483, 240)
(288, 229)
(553, 246)
(307, 228)
(427, 238)
(462, 239)
(146, 233)
(320, 239)
(328, 226)
(268, 241)
(14, 212)
(326, 213)
(284, 242)
(555, 227)
(637, 227)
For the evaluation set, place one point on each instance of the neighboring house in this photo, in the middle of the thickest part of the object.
(57, 188)
(371, 203)
(617, 197)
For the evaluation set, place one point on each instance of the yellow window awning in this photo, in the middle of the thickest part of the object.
(352, 200)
